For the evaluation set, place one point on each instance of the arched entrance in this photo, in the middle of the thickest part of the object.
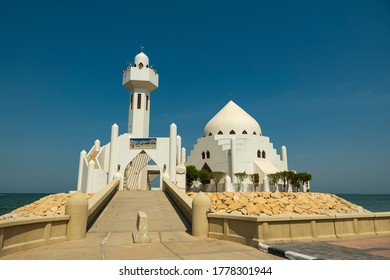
(140, 173)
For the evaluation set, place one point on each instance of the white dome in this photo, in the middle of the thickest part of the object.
(232, 119)
(141, 58)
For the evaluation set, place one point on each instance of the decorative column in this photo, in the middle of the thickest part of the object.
(284, 156)
(83, 154)
(77, 209)
(183, 155)
(200, 224)
(172, 152)
(228, 184)
(112, 164)
(178, 151)
(90, 175)
(233, 159)
(97, 145)
(266, 184)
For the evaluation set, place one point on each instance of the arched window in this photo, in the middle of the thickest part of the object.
(244, 132)
(208, 154)
(220, 132)
(139, 101)
(254, 133)
(140, 65)
(232, 132)
(210, 134)
(203, 155)
(258, 153)
(263, 154)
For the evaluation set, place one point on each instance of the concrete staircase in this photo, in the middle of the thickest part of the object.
(120, 215)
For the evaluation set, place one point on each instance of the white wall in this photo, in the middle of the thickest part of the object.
(247, 147)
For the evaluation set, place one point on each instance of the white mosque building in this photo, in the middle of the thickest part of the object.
(233, 143)
(134, 157)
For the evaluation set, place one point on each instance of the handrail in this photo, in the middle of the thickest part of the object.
(99, 200)
(180, 198)
(25, 233)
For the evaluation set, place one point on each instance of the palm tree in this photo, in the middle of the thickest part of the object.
(300, 179)
(287, 177)
(217, 177)
(305, 177)
(255, 180)
(192, 175)
(241, 176)
(204, 177)
(273, 179)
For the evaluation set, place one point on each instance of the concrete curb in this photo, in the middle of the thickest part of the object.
(284, 254)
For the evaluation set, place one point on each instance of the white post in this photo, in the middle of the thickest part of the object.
(284, 156)
(91, 170)
(97, 145)
(181, 172)
(83, 154)
(233, 159)
(178, 151)
(118, 176)
(266, 184)
(289, 187)
(172, 152)
(183, 155)
(228, 184)
(113, 153)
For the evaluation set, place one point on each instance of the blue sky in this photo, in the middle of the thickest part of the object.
(314, 74)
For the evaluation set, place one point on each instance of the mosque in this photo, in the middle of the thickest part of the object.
(232, 143)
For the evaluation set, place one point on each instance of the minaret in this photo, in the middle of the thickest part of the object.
(141, 80)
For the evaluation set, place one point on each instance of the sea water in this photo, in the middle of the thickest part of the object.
(371, 202)
(12, 201)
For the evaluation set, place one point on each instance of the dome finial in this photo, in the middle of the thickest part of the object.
(142, 48)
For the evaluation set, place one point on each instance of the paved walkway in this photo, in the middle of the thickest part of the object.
(110, 237)
(368, 248)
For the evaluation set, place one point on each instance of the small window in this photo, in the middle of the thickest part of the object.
(232, 132)
(208, 154)
(147, 102)
(258, 153)
(140, 65)
(254, 133)
(244, 132)
(139, 101)
(203, 155)
(131, 102)
(263, 154)
(210, 134)
(220, 133)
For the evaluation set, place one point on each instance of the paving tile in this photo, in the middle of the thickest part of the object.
(144, 251)
(382, 253)
(222, 256)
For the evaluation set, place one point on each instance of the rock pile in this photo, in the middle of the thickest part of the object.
(50, 205)
(266, 203)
